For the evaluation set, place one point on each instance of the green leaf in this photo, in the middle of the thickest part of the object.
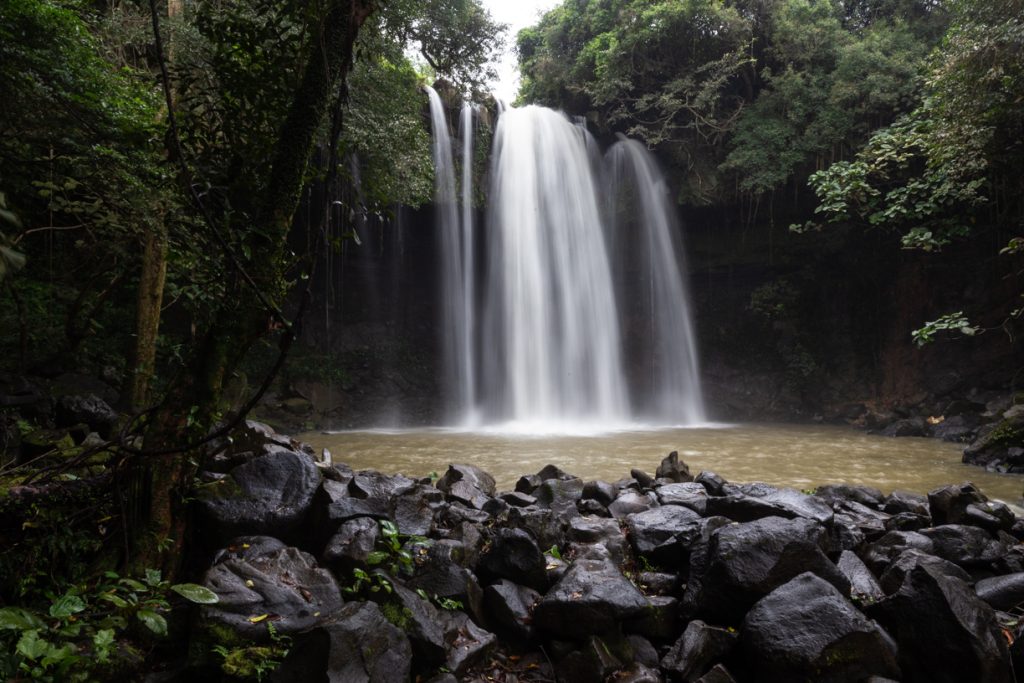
(133, 584)
(31, 646)
(18, 619)
(114, 599)
(196, 593)
(376, 557)
(153, 621)
(153, 577)
(66, 605)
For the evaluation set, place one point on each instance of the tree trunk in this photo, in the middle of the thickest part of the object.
(147, 315)
(192, 399)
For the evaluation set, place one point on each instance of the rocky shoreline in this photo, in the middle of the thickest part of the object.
(663, 577)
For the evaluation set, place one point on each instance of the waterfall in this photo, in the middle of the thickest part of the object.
(468, 293)
(642, 226)
(551, 328)
(456, 356)
(565, 310)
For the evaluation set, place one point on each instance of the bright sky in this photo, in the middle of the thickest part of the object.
(517, 14)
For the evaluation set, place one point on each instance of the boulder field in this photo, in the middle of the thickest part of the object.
(655, 577)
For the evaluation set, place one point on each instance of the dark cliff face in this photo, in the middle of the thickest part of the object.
(790, 326)
(796, 326)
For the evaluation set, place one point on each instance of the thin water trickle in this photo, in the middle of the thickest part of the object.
(457, 355)
(642, 223)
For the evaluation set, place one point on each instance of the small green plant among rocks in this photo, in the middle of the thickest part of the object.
(254, 662)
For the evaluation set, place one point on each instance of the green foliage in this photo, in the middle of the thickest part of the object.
(458, 39)
(254, 662)
(76, 635)
(753, 93)
(386, 134)
(898, 182)
(951, 322)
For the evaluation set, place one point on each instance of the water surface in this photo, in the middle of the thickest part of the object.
(801, 456)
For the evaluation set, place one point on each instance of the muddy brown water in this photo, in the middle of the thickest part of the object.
(800, 456)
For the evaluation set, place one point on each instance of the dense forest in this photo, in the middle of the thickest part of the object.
(177, 176)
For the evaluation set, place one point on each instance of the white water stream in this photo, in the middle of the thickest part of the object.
(568, 309)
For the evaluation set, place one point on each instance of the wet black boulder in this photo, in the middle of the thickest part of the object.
(807, 630)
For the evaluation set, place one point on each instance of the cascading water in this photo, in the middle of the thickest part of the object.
(581, 318)
(458, 357)
(468, 291)
(550, 322)
(641, 224)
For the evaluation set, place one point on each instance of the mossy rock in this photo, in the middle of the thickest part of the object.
(43, 441)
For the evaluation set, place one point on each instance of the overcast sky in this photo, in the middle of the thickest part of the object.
(517, 14)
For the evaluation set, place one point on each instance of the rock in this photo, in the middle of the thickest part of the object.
(601, 491)
(657, 583)
(715, 485)
(663, 534)
(905, 501)
(560, 495)
(758, 500)
(966, 546)
(948, 504)
(514, 555)
(913, 426)
(945, 633)
(630, 502)
(251, 439)
(296, 405)
(437, 573)
(352, 544)
(674, 469)
(958, 428)
(994, 442)
(644, 480)
(371, 485)
(592, 508)
(863, 585)
(855, 522)
(510, 607)
(89, 409)
(638, 673)
(880, 554)
(414, 510)
(358, 644)
(285, 585)
(518, 499)
(590, 599)
(1002, 592)
(741, 563)
(718, 674)
(548, 527)
(658, 621)
(689, 494)
(892, 578)
(78, 384)
(247, 548)
(420, 621)
(806, 630)
(466, 643)
(271, 494)
(467, 484)
(696, 651)
(593, 661)
(600, 530)
(834, 494)
(907, 521)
